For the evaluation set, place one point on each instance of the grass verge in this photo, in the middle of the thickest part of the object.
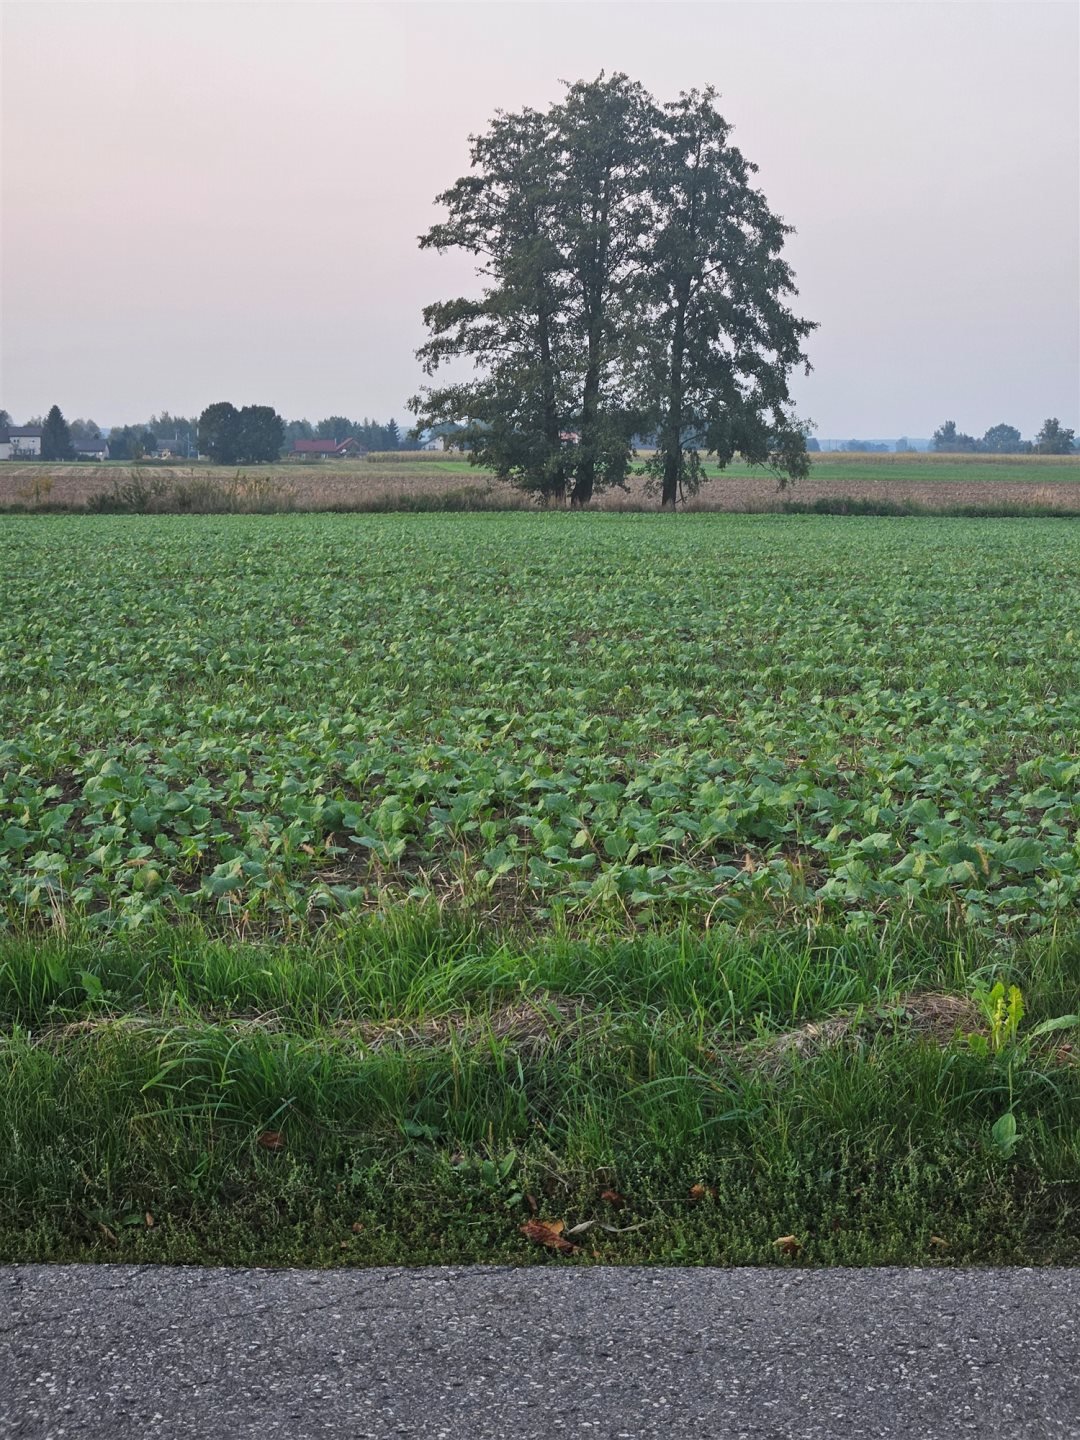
(415, 1090)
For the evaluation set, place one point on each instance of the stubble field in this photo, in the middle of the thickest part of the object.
(413, 480)
(377, 886)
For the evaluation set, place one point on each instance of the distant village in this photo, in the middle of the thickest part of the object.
(302, 441)
(24, 442)
(270, 438)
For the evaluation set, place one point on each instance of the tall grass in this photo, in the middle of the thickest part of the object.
(179, 1096)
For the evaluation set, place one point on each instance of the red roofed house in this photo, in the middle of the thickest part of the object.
(325, 449)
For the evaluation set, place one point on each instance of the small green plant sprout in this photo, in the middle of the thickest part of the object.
(1004, 1010)
(1004, 1135)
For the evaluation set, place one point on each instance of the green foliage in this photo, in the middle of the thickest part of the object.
(632, 283)
(1055, 439)
(56, 437)
(948, 439)
(423, 1084)
(219, 433)
(249, 436)
(262, 434)
(131, 442)
(1003, 440)
(372, 435)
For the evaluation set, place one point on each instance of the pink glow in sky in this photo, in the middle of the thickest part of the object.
(205, 201)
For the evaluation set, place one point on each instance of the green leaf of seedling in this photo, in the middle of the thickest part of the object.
(1004, 1134)
(95, 991)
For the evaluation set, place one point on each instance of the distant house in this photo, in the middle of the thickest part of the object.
(444, 436)
(325, 449)
(91, 449)
(22, 442)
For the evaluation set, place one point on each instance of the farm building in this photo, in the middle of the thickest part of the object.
(325, 449)
(20, 442)
(91, 449)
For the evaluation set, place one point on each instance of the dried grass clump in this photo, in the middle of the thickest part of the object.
(928, 1016)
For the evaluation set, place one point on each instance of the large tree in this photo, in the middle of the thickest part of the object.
(334, 427)
(1054, 439)
(624, 290)
(725, 339)
(949, 440)
(604, 203)
(515, 333)
(56, 437)
(1002, 440)
(219, 433)
(262, 434)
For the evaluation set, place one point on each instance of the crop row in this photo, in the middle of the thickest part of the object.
(273, 719)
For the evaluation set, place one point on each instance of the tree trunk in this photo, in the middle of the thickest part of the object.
(597, 278)
(556, 489)
(671, 434)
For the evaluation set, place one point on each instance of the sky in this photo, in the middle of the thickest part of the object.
(205, 201)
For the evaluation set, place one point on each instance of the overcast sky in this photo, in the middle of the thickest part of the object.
(207, 201)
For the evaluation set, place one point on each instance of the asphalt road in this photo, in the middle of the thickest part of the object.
(131, 1353)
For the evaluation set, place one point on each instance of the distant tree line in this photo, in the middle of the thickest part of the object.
(369, 433)
(230, 436)
(1052, 439)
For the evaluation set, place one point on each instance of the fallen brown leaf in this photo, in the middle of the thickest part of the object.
(549, 1233)
(272, 1140)
(702, 1192)
(149, 1220)
(530, 1201)
(788, 1245)
(613, 1198)
(939, 1241)
(357, 1228)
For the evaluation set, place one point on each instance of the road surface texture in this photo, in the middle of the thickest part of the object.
(131, 1353)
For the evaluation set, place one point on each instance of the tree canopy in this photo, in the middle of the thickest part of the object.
(1002, 439)
(131, 442)
(1055, 439)
(234, 437)
(56, 437)
(632, 285)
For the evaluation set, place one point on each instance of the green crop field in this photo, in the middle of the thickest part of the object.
(373, 886)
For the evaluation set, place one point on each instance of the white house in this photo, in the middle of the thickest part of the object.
(20, 442)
